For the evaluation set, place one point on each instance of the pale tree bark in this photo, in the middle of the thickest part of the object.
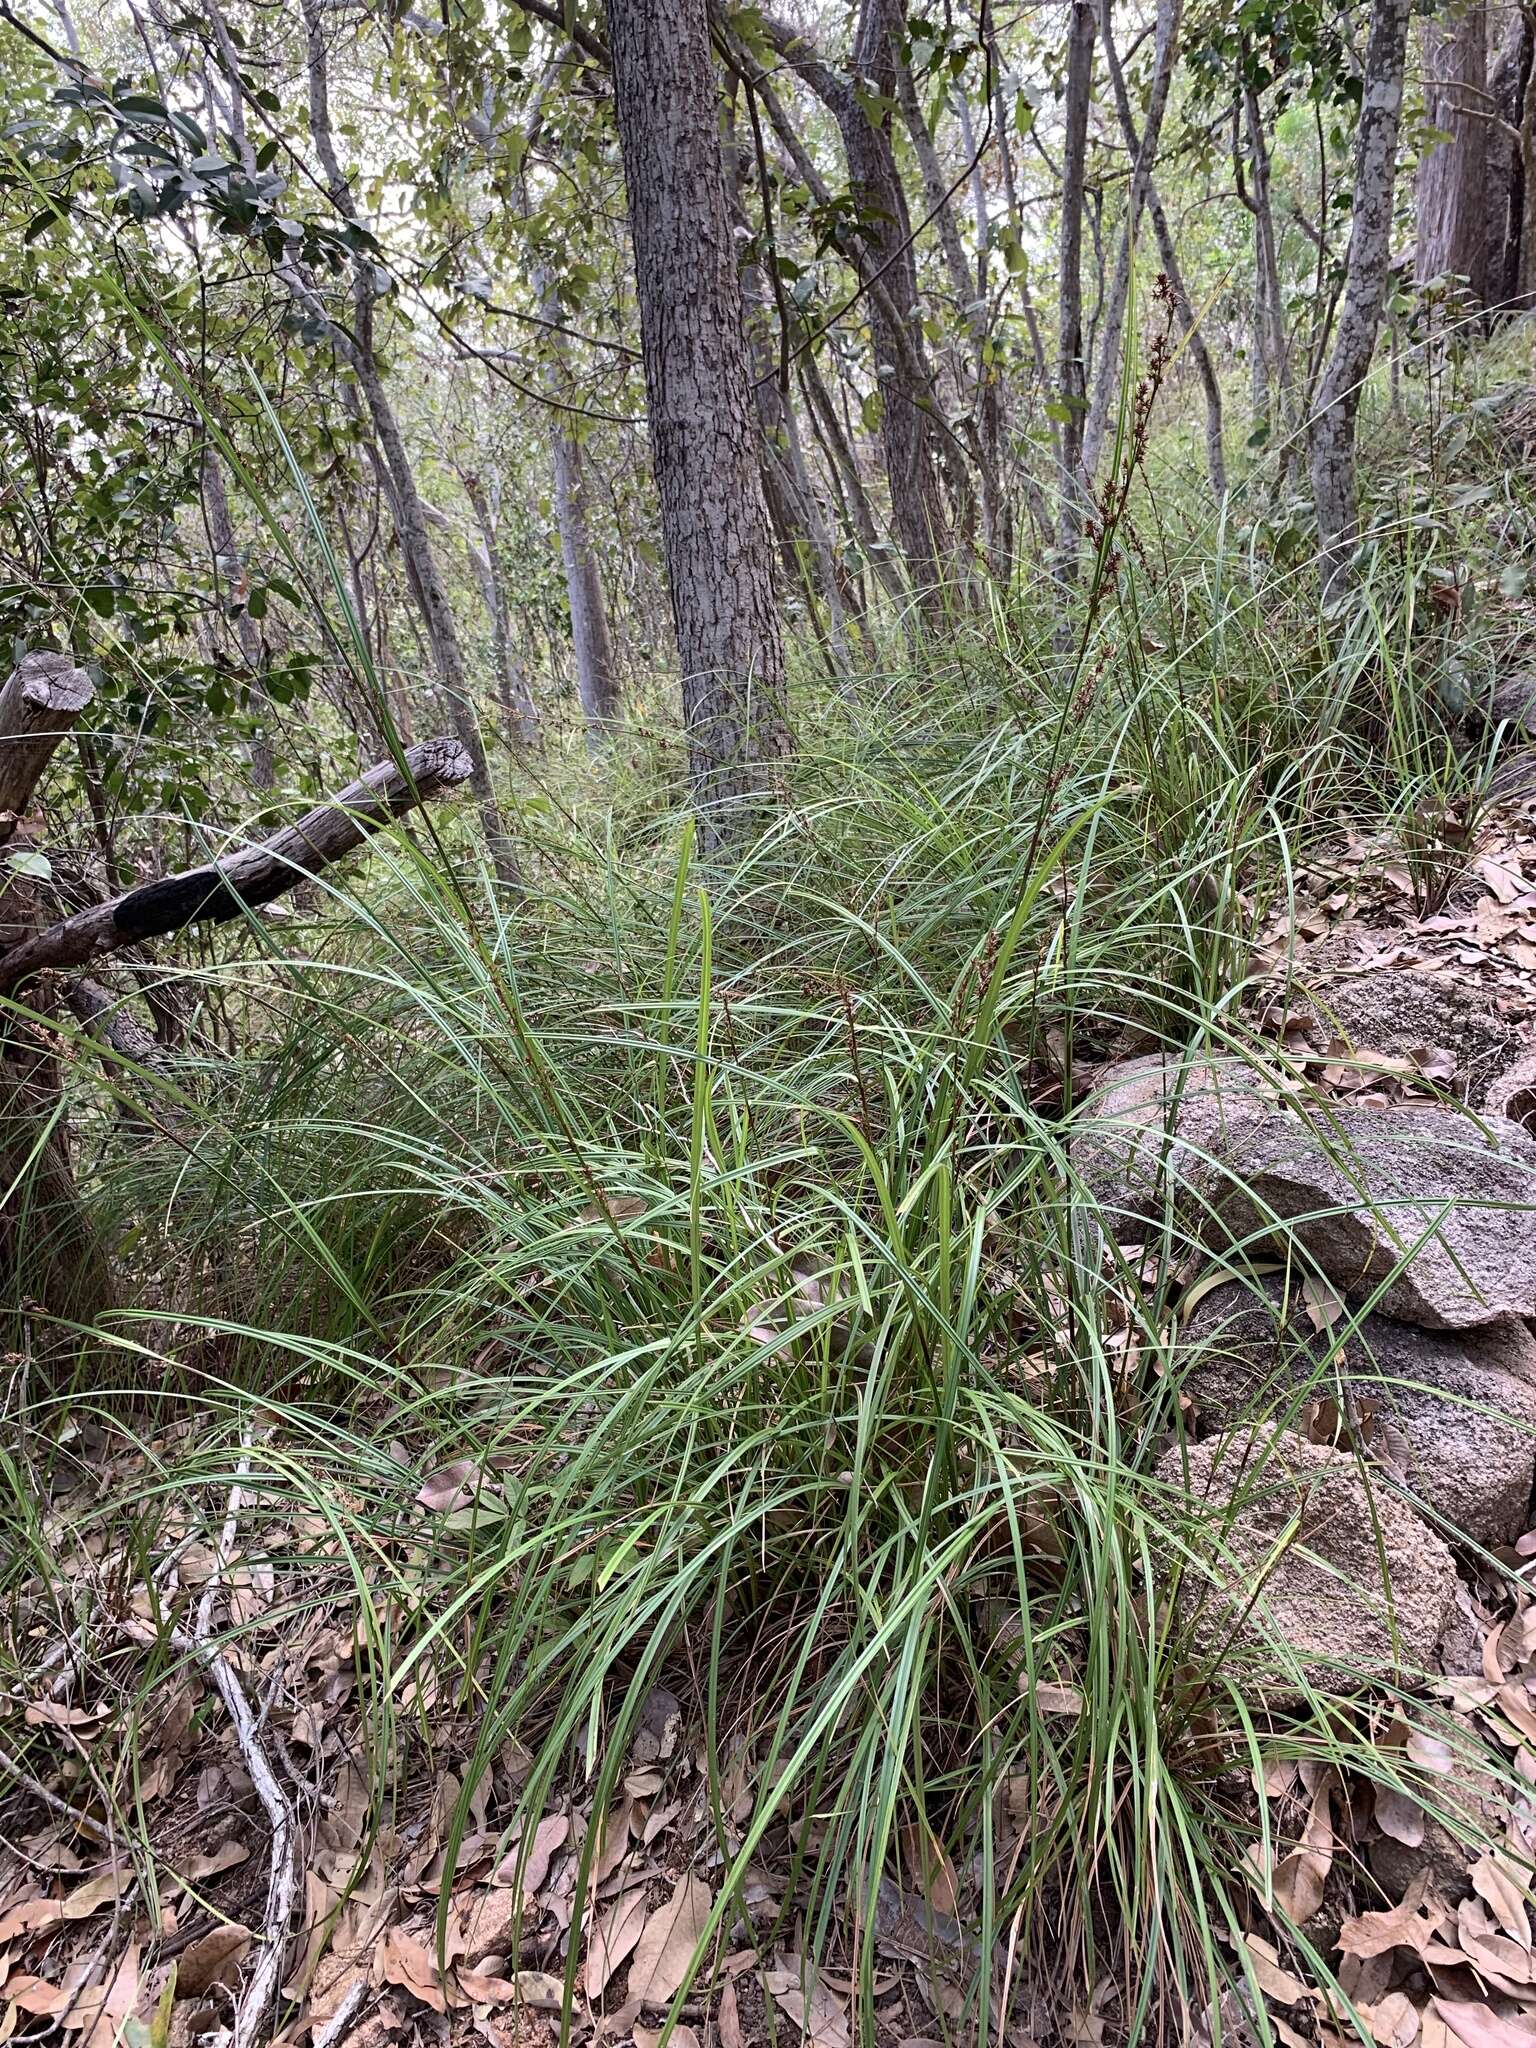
(1168, 256)
(911, 431)
(1107, 381)
(1332, 440)
(1452, 200)
(519, 713)
(422, 570)
(703, 436)
(229, 575)
(1071, 370)
(597, 669)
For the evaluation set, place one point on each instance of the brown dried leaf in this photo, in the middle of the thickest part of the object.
(1399, 1816)
(405, 1961)
(728, 2019)
(213, 1960)
(81, 1903)
(548, 1836)
(664, 1952)
(614, 1937)
(1494, 1882)
(1477, 2026)
(1273, 1980)
(1402, 1926)
(1393, 2021)
(807, 2002)
(450, 1487)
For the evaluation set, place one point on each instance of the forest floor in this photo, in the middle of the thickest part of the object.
(195, 1731)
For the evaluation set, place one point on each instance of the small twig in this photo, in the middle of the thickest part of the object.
(261, 1986)
(12, 1767)
(341, 2018)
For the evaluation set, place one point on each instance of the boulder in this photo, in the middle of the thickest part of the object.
(1296, 1543)
(1404, 1013)
(1450, 1413)
(1512, 702)
(1157, 1126)
(1364, 1192)
(1511, 1095)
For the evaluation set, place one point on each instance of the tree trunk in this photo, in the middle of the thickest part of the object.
(1071, 371)
(1107, 383)
(229, 574)
(792, 504)
(1525, 274)
(1271, 368)
(1452, 197)
(1509, 74)
(517, 706)
(597, 672)
(908, 435)
(703, 437)
(1168, 255)
(423, 573)
(910, 430)
(1365, 288)
(51, 1261)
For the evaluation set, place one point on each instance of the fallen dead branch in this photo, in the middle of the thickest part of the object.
(243, 881)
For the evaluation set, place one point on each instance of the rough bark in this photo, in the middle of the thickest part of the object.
(1107, 381)
(1525, 268)
(1071, 369)
(1510, 146)
(50, 1259)
(703, 436)
(1332, 441)
(43, 697)
(242, 881)
(1452, 199)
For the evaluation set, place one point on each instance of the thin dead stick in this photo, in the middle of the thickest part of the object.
(12, 1767)
(261, 1987)
(341, 2018)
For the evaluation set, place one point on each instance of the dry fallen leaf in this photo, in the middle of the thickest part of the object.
(450, 1486)
(614, 1937)
(1273, 1980)
(405, 1961)
(1399, 1816)
(1494, 1882)
(1477, 2026)
(728, 2020)
(213, 1960)
(1403, 1926)
(81, 1903)
(664, 1952)
(547, 1838)
(805, 1999)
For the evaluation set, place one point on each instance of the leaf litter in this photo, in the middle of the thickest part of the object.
(416, 1926)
